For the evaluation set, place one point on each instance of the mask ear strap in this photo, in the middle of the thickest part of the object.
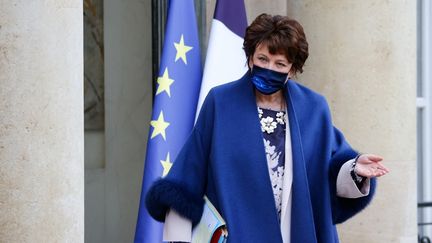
(290, 75)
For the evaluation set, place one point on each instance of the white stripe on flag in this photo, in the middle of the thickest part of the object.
(225, 60)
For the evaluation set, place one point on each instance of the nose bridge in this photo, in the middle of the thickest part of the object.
(271, 64)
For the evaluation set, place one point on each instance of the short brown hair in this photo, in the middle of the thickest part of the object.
(282, 35)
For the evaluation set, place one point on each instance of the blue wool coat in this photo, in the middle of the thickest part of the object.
(224, 158)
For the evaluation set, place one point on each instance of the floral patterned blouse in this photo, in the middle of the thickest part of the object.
(273, 125)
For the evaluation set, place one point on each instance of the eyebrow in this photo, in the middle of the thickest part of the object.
(282, 60)
(277, 60)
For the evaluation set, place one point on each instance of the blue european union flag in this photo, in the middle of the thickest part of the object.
(175, 103)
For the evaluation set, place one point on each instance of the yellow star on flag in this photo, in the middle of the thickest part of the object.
(166, 164)
(164, 83)
(159, 126)
(182, 49)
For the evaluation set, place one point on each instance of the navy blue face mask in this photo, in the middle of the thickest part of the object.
(268, 81)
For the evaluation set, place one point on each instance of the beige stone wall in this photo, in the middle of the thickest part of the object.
(41, 121)
(257, 7)
(363, 59)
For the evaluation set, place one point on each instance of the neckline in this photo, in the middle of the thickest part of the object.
(267, 109)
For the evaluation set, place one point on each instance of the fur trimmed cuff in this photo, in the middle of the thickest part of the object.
(165, 194)
(345, 208)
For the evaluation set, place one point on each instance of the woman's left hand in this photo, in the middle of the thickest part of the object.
(369, 165)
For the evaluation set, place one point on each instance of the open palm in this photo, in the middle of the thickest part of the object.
(369, 165)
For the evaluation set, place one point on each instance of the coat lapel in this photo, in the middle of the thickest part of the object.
(300, 215)
(302, 221)
(256, 161)
(285, 222)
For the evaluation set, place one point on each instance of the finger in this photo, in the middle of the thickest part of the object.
(380, 173)
(375, 173)
(382, 167)
(369, 158)
(371, 170)
(374, 158)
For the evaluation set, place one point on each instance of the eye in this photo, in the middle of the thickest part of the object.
(262, 59)
(281, 64)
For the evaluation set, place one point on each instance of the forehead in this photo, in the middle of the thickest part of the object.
(262, 49)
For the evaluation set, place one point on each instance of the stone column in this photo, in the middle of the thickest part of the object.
(41, 121)
(363, 59)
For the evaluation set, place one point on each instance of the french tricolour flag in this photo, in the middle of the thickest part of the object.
(225, 60)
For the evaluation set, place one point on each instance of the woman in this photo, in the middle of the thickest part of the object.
(265, 152)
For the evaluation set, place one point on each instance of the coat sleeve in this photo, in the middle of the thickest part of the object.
(344, 208)
(345, 185)
(184, 186)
